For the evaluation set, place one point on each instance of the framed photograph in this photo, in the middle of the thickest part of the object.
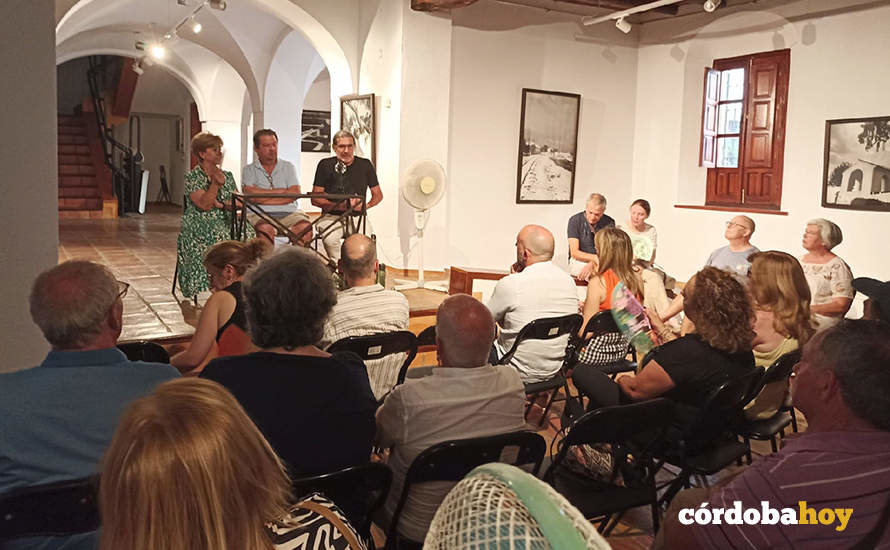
(357, 115)
(857, 164)
(316, 131)
(548, 141)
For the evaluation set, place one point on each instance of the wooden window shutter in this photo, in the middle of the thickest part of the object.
(708, 149)
(764, 135)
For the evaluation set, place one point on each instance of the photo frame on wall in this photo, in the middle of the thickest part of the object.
(856, 170)
(358, 115)
(548, 143)
(316, 131)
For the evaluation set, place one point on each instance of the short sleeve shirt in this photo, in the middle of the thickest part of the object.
(356, 180)
(736, 263)
(284, 175)
(828, 281)
(580, 229)
(644, 242)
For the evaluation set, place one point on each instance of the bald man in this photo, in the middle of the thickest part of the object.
(463, 397)
(734, 256)
(365, 307)
(536, 290)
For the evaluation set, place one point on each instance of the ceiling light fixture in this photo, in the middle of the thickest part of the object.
(137, 68)
(196, 27)
(589, 20)
(158, 51)
(622, 25)
(711, 5)
(217, 4)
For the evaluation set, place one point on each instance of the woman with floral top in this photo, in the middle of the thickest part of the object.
(829, 277)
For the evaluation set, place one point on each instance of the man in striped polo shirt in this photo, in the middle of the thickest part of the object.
(365, 307)
(828, 487)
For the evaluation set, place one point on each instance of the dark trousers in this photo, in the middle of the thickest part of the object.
(601, 390)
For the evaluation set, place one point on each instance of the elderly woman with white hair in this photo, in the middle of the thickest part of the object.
(829, 277)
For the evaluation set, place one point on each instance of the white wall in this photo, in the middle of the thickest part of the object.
(838, 70)
(29, 208)
(489, 68)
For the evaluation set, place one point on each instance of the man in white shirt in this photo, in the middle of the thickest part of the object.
(464, 397)
(365, 307)
(537, 290)
(271, 175)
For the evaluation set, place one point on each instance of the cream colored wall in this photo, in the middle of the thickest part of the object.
(838, 70)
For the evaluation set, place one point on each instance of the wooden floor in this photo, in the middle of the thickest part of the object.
(141, 250)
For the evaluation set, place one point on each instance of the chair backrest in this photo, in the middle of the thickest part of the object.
(379, 346)
(426, 340)
(546, 329)
(233, 341)
(358, 490)
(722, 408)
(452, 460)
(779, 370)
(145, 351)
(54, 509)
(601, 323)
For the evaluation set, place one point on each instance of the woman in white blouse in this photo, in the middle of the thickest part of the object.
(829, 277)
(642, 235)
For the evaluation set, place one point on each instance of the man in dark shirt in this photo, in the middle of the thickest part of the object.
(344, 173)
(582, 227)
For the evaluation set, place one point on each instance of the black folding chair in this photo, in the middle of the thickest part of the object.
(426, 340)
(143, 350)
(633, 433)
(380, 346)
(767, 429)
(53, 509)
(452, 460)
(358, 490)
(546, 329)
(707, 443)
(599, 325)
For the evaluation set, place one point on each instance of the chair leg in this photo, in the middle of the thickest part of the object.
(656, 517)
(175, 277)
(614, 522)
(747, 451)
(546, 414)
(793, 420)
(772, 442)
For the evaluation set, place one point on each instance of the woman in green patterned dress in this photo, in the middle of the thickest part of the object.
(206, 220)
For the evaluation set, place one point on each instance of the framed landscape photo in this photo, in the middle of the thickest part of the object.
(548, 142)
(856, 173)
(357, 115)
(316, 130)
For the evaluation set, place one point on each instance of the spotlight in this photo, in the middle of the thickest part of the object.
(137, 68)
(196, 27)
(218, 4)
(140, 45)
(157, 51)
(711, 5)
(168, 36)
(622, 25)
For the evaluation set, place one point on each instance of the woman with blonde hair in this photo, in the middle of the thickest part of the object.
(222, 319)
(188, 469)
(782, 320)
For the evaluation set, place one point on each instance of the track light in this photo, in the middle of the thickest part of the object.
(158, 51)
(137, 68)
(196, 27)
(711, 5)
(623, 25)
(218, 4)
(140, 45)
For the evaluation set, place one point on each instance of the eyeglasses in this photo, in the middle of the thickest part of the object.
(731, 223)
(124, 287)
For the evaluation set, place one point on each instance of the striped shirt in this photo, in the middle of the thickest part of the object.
(363, 310)
(825, 469)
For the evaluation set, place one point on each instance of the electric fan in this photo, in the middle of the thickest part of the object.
(422, 186)
(498, 506)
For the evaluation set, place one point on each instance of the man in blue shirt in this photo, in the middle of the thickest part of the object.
(59, 417)
(583, 226)
(270, 175)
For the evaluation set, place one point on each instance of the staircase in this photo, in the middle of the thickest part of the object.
(79, 193)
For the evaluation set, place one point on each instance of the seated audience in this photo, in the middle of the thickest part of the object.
(782, 320)
(615, 266)
(464, 397)
(687, 369)
(829, 276)
(365, 307)
(877, 305)
(582, 227)
(58, 417)
(222, 317)
(187, 469)
(642, 235)
(537, 290)
(316, 409)
(839, 463)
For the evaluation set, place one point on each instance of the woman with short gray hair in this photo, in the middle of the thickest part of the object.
(829, 277)
(315, 408)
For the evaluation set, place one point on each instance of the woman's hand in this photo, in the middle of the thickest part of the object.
(217, 176)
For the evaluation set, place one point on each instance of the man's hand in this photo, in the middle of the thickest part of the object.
(355, 203)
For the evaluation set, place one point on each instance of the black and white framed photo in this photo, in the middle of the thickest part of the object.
(857, 164)
(548, 142)
(316, 126)
(357, 115)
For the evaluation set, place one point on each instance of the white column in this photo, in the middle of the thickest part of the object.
(29, 204)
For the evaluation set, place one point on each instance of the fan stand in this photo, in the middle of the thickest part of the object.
(404, 284)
